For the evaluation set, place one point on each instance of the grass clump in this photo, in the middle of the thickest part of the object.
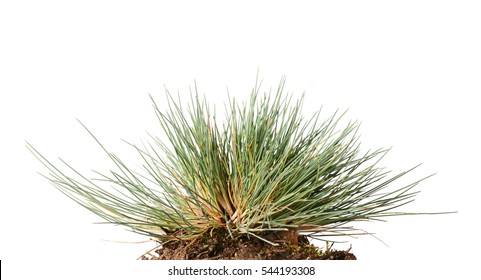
(265, 169)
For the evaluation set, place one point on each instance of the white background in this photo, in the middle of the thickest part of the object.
(409, 70)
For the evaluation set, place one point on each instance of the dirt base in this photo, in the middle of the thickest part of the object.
(218, 245)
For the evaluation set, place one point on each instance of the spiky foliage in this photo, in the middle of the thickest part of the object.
(264, 169)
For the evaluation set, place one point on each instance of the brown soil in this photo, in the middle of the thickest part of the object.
(218, 245)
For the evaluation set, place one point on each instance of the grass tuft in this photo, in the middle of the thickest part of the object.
(266, 168)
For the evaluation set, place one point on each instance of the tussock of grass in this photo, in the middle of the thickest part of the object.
(265, 169)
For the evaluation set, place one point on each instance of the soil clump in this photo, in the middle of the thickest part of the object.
(219, 245)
